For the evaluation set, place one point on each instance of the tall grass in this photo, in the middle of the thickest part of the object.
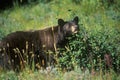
(72, 75)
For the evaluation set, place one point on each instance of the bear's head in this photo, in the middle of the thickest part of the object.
(69, 27)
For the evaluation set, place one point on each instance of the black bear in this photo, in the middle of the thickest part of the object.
(25, 46)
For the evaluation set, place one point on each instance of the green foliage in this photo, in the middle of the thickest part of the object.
(87, 49)
(10, 75)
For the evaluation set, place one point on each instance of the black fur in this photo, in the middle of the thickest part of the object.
(32, 45)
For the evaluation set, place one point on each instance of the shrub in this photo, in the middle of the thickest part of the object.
(89, 48)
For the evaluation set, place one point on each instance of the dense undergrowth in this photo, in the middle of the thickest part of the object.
(88, 50)
(99, 35)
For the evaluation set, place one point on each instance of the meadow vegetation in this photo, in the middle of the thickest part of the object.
(84, 56)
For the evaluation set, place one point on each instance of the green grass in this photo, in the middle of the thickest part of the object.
(77, 74)
(43, 15)
(94, 16)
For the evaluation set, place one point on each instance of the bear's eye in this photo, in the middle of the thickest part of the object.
(71, 26)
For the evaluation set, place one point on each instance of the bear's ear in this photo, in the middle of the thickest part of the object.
(61, 22)
(76, 19)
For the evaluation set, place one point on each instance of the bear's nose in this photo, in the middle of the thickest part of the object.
(76, 28)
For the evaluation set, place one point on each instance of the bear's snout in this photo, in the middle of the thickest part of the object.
(74, 29)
